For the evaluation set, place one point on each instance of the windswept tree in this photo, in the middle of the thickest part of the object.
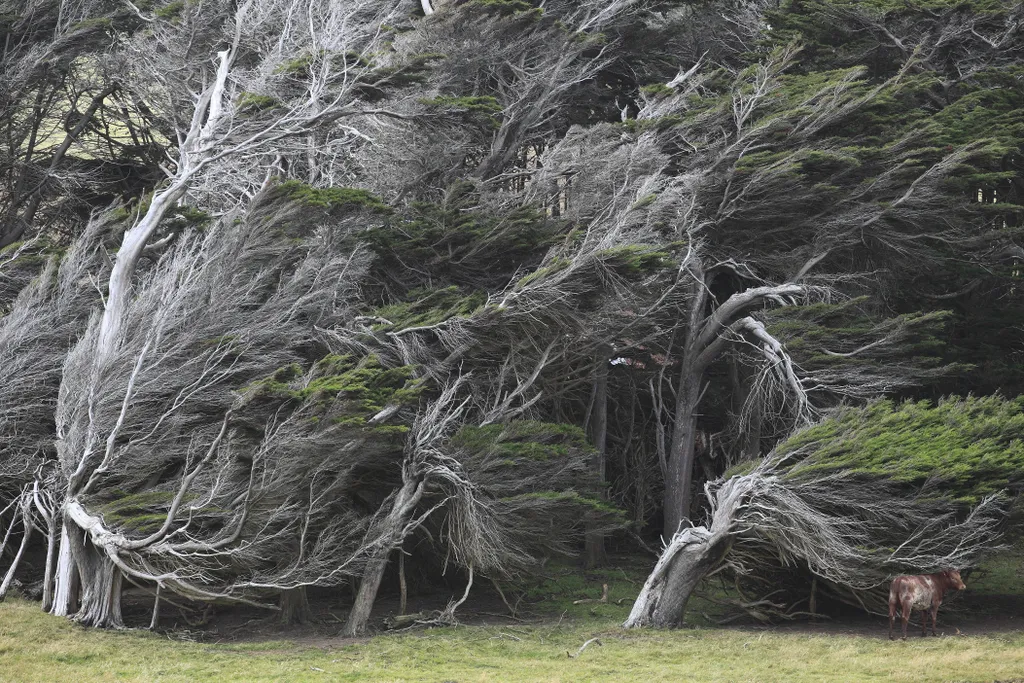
(172, 471)
(74, 138)
(147, 311)
(801, 191)
(167, 478)
(46, 318)
(420, 279)
(848, 503)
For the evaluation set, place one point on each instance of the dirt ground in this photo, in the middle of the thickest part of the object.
(241, 624)
(964, 615)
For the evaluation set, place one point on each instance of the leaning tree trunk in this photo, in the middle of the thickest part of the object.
(690, 556)
(367, 595)
(389, 536)
(9, 577)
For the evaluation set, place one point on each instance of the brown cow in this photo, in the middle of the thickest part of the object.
(924, 592)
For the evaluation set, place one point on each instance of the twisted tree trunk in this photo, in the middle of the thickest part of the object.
(689, 557)
(101, 590)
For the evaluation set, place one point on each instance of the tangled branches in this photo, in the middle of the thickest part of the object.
(853, 501)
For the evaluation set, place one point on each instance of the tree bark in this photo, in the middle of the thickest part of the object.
(687, 559)
(48, 573)
(9, 577)
(595, 550)
(679, 468)
(403, 589)
(155, 618)
(66, 581)
(690, 556)
(367, 595)
(295, 606)
(101, 585)
(678, 496)
(390, 535)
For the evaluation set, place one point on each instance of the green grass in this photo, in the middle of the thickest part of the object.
(37, 647)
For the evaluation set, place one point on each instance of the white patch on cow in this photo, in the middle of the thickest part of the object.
(921, 595)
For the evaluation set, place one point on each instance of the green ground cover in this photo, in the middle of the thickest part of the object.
(37, 647)
(559, 612)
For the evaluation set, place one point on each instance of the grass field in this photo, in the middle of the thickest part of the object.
(37, 647)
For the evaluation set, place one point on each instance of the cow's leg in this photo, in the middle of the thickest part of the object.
(924, 623)
(935, 615)
(905, 608)
(892, 615)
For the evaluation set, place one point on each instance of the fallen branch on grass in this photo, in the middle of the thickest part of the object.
(582, 648)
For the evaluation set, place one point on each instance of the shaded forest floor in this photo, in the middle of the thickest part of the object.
(541, 643)
(567, 595)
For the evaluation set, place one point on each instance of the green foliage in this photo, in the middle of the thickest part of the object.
(299, 67)
(816, 335)
(171, 10)
(635, 259)
(657, 90)
(334, 200)
(552, 266)
(959, 450)
(377, 82)
(343, 389)
(29, 259)
(660, 123)
(182, 217)
(591, 504)
(296, 66)
(474, 110)
(143, 512)
(424, 307)
(1001, 575)
(251, 103)
(506, 8)
(522, 439)
(95, 24)
(176, 219)
(485, 104)
(456, 242)
(538, 471)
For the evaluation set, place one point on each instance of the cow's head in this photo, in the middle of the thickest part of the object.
(953, 577)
